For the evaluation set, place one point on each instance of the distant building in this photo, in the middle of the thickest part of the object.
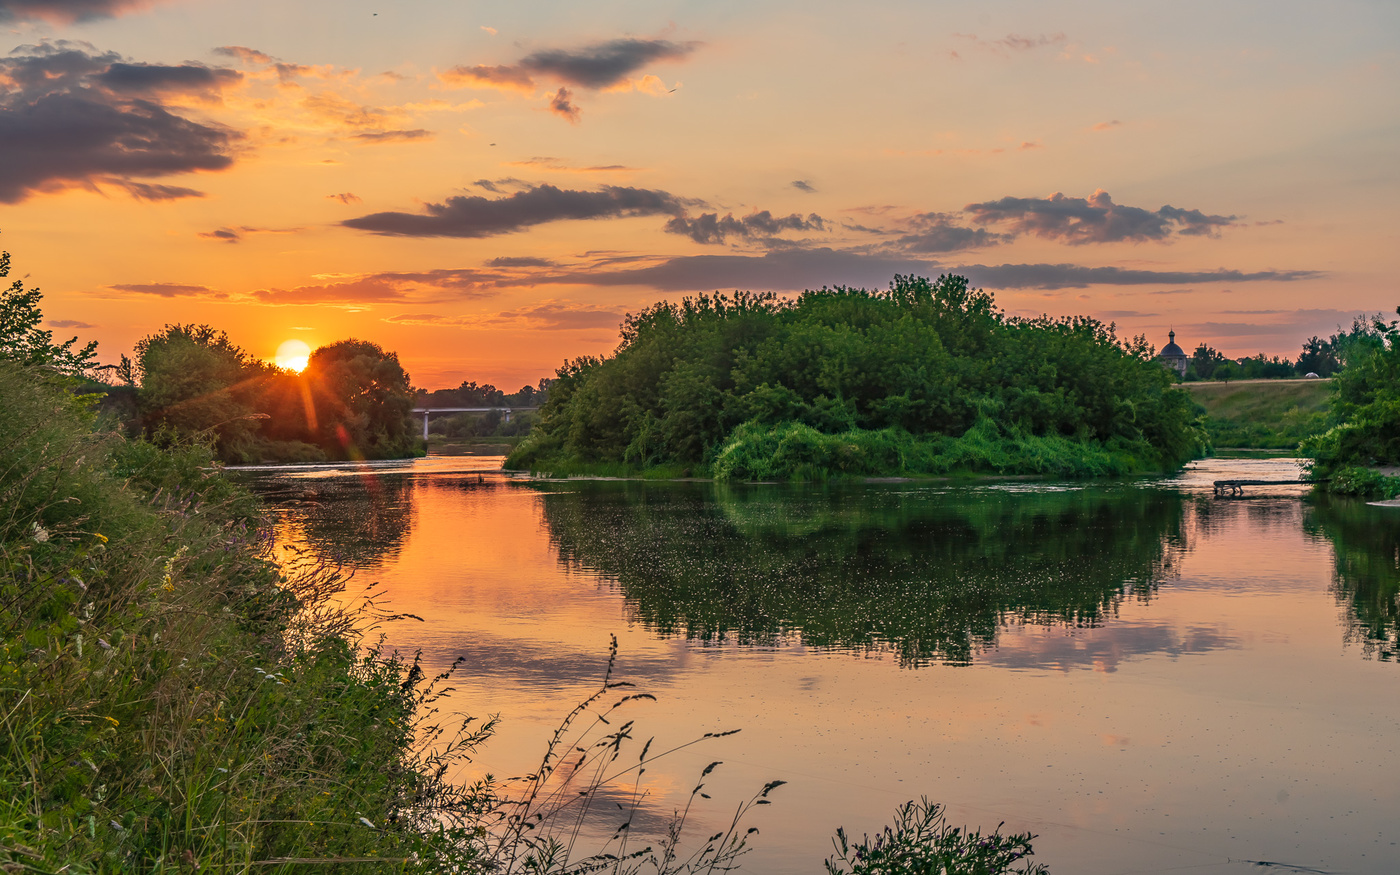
(1173, 356)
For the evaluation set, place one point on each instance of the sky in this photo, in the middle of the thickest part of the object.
(487, 189)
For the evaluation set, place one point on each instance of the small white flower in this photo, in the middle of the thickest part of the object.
(40, 534)
(366, 822)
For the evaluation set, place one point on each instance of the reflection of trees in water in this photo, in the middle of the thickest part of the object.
(1366, 582)
(355, 521)
(930, 575)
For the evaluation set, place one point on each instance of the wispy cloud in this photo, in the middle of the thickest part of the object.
(543, 316)
(392, 136)
(1062, 276)
(169, 290)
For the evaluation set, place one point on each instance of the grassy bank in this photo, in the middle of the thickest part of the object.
(1262, 414)
(171, 700)
(796, 452)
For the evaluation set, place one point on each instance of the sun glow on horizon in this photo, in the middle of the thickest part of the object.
(293, 355)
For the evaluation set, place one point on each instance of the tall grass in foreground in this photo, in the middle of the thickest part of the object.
(171, 700)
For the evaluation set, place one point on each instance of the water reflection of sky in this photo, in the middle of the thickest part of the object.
(1207, 711)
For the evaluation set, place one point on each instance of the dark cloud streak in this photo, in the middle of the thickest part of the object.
(475, 216)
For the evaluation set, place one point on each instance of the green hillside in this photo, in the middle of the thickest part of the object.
(1262, 414)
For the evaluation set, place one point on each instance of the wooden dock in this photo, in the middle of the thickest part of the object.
(1235, 488)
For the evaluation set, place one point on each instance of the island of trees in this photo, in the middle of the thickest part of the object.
(926, 378)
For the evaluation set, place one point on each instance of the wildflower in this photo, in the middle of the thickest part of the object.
(40, 534)
(99, 536)
(168, 581)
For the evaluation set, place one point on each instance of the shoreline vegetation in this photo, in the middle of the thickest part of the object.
(174, 700)
(928, 378)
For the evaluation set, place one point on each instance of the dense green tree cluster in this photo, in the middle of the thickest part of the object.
(1366, 408)
(353, 400)
(926, 377)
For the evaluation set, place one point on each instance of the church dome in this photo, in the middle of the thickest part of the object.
(1171, 350)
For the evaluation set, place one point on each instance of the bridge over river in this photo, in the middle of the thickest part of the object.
(427, 412)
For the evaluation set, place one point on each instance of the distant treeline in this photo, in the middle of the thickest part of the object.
(493, 424)
(1320, 357)
(928, 377)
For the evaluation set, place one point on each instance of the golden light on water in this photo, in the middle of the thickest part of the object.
(292, 355)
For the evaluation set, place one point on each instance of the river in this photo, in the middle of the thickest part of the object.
(1148, 678)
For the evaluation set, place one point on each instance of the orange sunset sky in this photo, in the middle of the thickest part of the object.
(487, 187)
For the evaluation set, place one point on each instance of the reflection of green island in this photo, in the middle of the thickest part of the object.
(930, 575)
(1366, 541)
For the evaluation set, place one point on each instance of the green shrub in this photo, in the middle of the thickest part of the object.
(922, 843)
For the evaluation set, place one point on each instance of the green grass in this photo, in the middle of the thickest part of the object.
(1263, 414)
(173, 700)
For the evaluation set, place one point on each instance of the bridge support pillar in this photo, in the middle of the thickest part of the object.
(425, 426)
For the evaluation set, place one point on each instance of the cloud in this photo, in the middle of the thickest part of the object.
(1012, 42)
(802, 185)
(709, 228)
(232, 235)
(548, 163)
(938, 232)
(563, 316)
(67, 11)
(149, 80)
(169, 290)
(245, 54)
(779, 270)
(393, 136)
(1287, 323)
(477, 216)
(543, 316)
(345, 197)
(1062, 276)
(604, 64)
(1106, 126)
(389, 286)
(63, 123)
(520, 261)
(561, 106)
(1096, 219)
(361, 290)
(69, 323)
(483, 76)
(149, 191)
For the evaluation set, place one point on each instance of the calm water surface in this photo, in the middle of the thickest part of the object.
(1150, 679)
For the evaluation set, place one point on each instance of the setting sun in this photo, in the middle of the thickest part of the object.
(292, 355)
